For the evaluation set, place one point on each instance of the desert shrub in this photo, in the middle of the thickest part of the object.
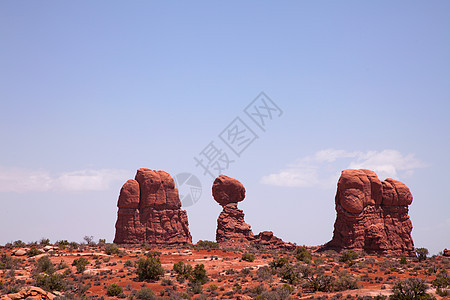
(258, 290)
(111, 249)
(44, 265)
(264, 274)
(306, 271)
(199, 274)
(149, 268)
(6, 262)
(44, 242)
(320, 282)
(62, 244)
(278, 262)
(442, 280)
(302, 254)
(89, 239)
(421, 253)
(248, 257)
(145, 294)
(80, 264)
(50, 283)
(289, 274)
(403, 260)
(348, 257)
(33, 251)
(114, 290)
(345, 282)
(19, 243)
(128, 263)
(196, 287)
(183, 270)
(212, 287)
(206, 245)
(410, 289)
(153, 253)
(245, 271)
(284, 291)
(442, 292)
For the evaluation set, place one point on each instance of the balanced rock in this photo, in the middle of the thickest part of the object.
(231, 226)
(372, 215)
(150, 211)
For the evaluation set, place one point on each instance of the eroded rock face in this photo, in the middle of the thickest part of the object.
(231, 227)
(150, 211)
(372, 215)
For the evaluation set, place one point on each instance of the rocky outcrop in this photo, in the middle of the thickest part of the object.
(372, 215)
(30, 292)
(267, 240)
(231, 227)
(150, 211)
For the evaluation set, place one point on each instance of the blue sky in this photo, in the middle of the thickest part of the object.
(91, 91)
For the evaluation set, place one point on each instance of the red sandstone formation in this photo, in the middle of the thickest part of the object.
(150, 211)
(231, 227)
(372, 215)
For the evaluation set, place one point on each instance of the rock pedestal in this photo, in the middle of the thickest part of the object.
(231, 227)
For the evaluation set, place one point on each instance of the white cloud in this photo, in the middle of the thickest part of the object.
(22, 180)
(321, 169)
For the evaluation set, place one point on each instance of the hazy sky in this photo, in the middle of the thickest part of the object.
(92, 90)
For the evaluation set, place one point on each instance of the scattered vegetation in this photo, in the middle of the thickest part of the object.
(248, 257)
(149, 268)
(302, 254)
(80, 264)
(206, 245)
(114, 290)
(422, 253)
(410, 289)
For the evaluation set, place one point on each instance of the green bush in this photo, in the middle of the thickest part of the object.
(302, 254)
(44, 242)
(19, 243)
(422, 253)
(248, 257)
(206, 245)
(322, 283)
(6, 261)
(44, 265)
(289, 274)
(111, 249)
(442, 280)
(183, 270)
(33, 252)
(410, 289)
(80, 264)
(114, 290)
(345, 282)
(199, 274)
(153, 253)
(278, 262)
(348, 257)
(50, 283)
(403, 260)
(145, 294)
(149, 268)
